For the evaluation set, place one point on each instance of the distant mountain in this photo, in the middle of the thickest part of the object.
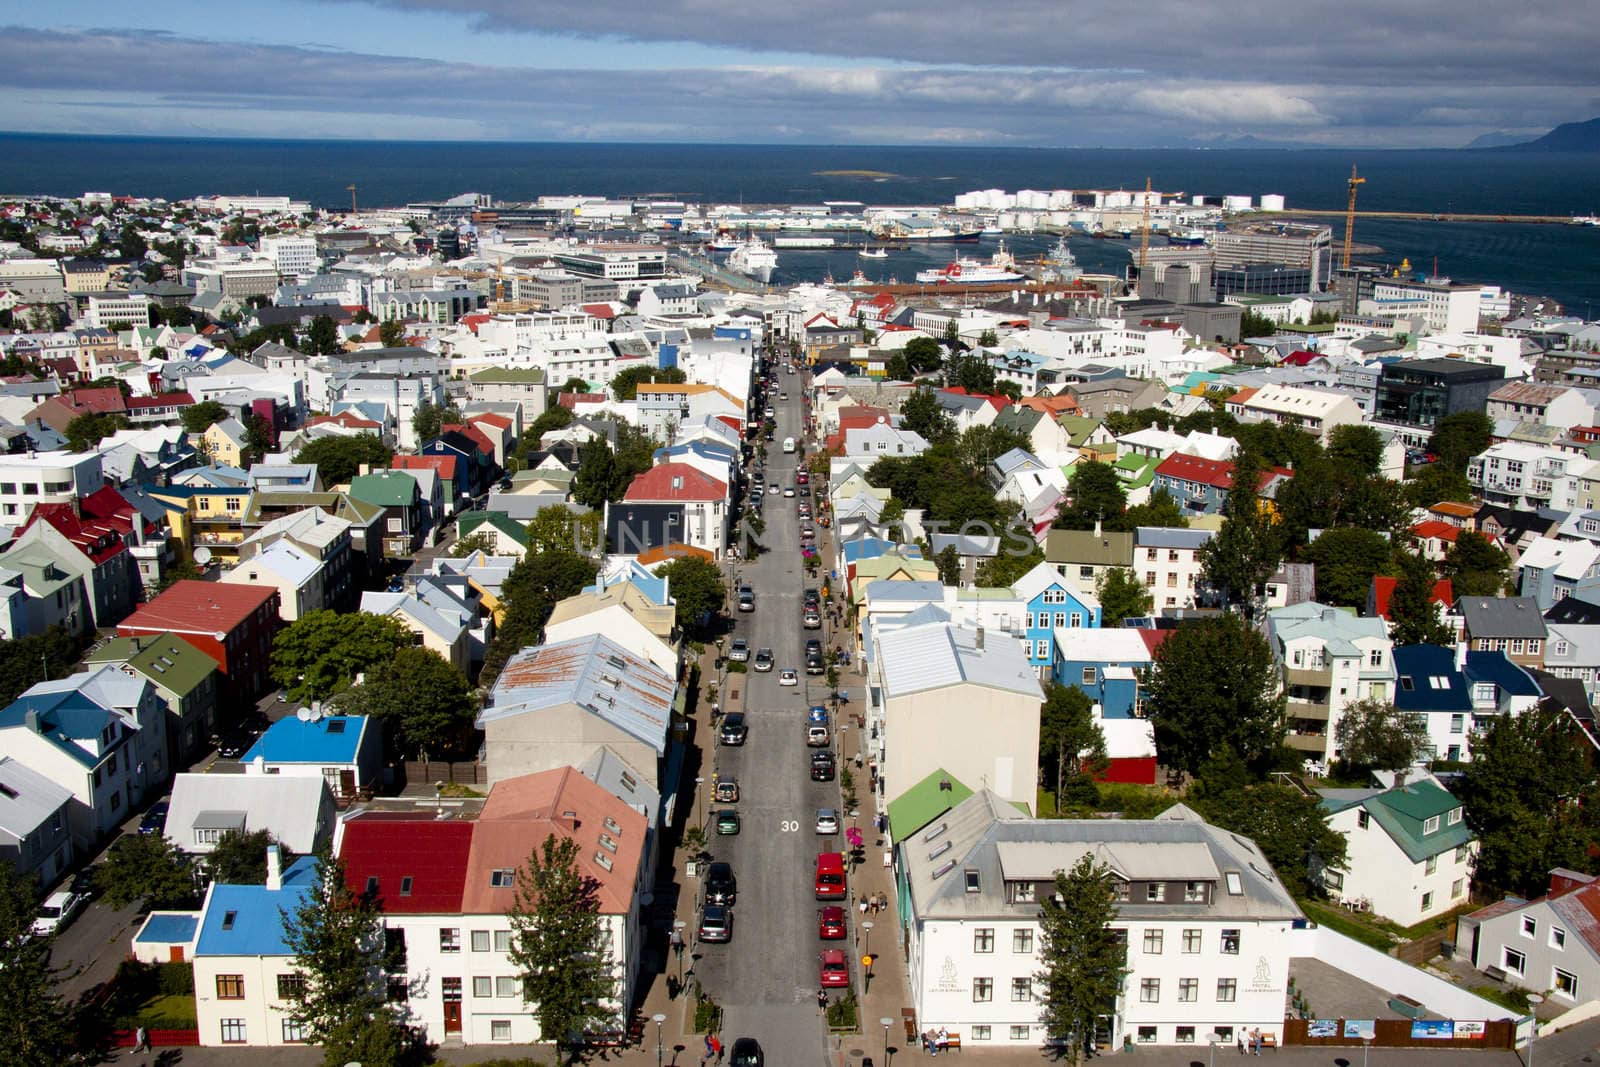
(1568, 137)
(1498, 139)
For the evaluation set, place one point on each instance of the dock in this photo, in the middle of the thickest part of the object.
(1420, 216)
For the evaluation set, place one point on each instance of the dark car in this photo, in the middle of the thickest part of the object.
(746, 1053)
(822, 767)
(233, 746)
(814, 664)
(155, 820)
(721, 886)
(734, 729)
(830, 923)
(813, 646)
(812, 598)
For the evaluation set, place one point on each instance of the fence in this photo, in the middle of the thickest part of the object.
(422, 772)
(1388, 973)
(1424, 949)
(1402, 1033)
(158, 1038)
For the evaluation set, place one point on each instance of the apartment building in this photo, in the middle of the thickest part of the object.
(1330, 659)
(1167, 560)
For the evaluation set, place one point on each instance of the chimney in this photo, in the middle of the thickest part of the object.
(274, 869)
(1097, 531)
(1461, 655)
(980, 639)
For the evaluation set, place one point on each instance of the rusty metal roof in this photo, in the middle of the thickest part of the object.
(596, 674)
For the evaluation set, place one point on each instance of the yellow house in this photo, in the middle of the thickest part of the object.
(225, 442)
(206, 517)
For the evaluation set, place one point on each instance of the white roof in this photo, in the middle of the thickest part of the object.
(294, 565)
(1117, 646)
(919, 658)
(1296, 401)
(286, 804)
(1571, 560)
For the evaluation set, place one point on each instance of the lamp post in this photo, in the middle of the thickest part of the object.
(658, 1019)
(677, 926)
(1211, 1057)
(887, 1022)
(699, 819)
(1534, 1000)
(866, 927)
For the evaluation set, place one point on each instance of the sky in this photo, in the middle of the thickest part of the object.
(1052, 73)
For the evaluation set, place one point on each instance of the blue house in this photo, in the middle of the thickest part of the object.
(346, 751)
(1107, 665)
(1051, 603)
(1458, 695)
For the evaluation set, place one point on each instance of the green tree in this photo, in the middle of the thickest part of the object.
(1097, 496)
(36, 1026)
(322, 337)
(1435, 484)
(1476, 566)
(1346, 560)
(972, 372)
(558, 526)
(528, 594)
(696, 586)
(1252, 324)
(425, 703)
(636, 453)
(338, 459)
(988, 339)
(554, 418)
(148, 868)
(1214, 684)
(1159, 510)
(89, 429)
(473, 542)
(27, 661)
(625, 386)
(1458, 437)
(952, 332)
(923, 354)
(392, 333)
(898, 369)
(1413, 616)
(560, 947)
(1009, 564)
(595, 479)
(321, 652)
(1356, 447)
(337, 941)
(1375, 734)
(198, 418)
(1530, 796)
(1082, 959)
(922, 414)
(257, 438)
(1069, 738)
(240, 857)
(574, 385)
(428, 418)
(948, 560)
(1122, 596)
(1250, 545)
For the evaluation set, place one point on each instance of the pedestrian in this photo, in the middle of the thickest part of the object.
(706, 1058)
(716, 1045)
(822, 1001)
(862, 901)
(1241, 1044)
(141, 1040)
(1255, 1042)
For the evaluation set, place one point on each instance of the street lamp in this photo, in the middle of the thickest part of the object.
(658, 1019)
(866, 927)
(1534, 1000)
(887, 1022)
(677, 926)
(1211, 1057)
(699, 819)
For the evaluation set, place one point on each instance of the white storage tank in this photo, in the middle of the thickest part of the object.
(1272, 202)
(1237, 203)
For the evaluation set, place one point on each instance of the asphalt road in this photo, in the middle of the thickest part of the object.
(766, 978)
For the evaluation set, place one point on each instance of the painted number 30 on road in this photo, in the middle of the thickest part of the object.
(789, 826)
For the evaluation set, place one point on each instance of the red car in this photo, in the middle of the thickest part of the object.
(835, 970)
(830, 923)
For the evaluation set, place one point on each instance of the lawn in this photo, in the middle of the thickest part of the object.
(1348, 924)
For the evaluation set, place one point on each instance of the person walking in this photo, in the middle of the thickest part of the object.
(705, 1059)
(716, 1047)
(822, 1001)
(141, 1041)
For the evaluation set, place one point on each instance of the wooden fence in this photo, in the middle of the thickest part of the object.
(424, 772)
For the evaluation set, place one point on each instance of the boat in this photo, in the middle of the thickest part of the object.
(1000, 270)
(873, 253)
(723, 242)
(753, 257)
(1586, 220)
(936, 234)
(859, 280)
(1189, 238)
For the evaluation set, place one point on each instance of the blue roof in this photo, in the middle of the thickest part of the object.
(176, 928)
(244, 920)
(873, 547)
(1496, 667)
(65, 718)
(1420, 669)
(334, 739)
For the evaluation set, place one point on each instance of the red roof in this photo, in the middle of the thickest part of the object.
(572, 400)
(191, 606)
(100, 401)
(1432, 528)
(599, 311)
(165, 400)
(675, 481)
(473, 321)
(1217, 473)
(499, 422)
(99, 539)
(1300, 358)
(997, 401)
(445, 466)
(348, 419)
(1383, 589)
(428, 854)
(1153, 638)
(471, 433)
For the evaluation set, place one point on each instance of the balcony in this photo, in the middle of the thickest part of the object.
(1318, 677)
(1317, 712)
(1317, 743)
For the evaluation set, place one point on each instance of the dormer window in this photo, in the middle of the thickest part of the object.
(1431, 825)
(970, 875)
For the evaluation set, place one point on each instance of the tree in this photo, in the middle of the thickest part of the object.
(1436, 483)
(257, 438)
(89, 429)
(1252, 324)
(1083, 961)
(1122, 596)
(923, 354)
(1159, 510)
(528, 594)
(198, 418)
(240, 857)
(898, 369)
(392, 333)
(1250, 545)
(473, 542)
(423, 700)
(554, 418)
(558, 526)
(1374, 733)
(697, 587)
(428, 418)
(574, 385)
(1356, 447)
(594, 481)
(1097, 496)
(972, 372)
(1413, 615)
(922, 414)
(337, 940)
(1009, 564)
(321, 652)
(952, 332)
(1068, 735)
(1214, 683)
(27, 661)
(338, 459)
(148, 868)
(36, 1027)
(988, 339)
(1530, 795)
(1458, 437)
(1476, 566)
(560, 947)
(948, 560)
(1346, 560)
(322, 337)
(625, 386)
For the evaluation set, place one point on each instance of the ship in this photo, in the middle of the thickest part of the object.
(1000, 270)
(873, 253)
(939, 234)
(723, 242)
(753, 257)
(1189, 238)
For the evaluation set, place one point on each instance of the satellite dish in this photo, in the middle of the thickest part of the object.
(202, 556)
(304, 714)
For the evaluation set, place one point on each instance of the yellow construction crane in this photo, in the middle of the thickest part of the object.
(1144, 234)
(352, 189)
(1350, 215)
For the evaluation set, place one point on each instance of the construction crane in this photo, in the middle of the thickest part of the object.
(1144, 234)
(1350, 215)
(352, 189)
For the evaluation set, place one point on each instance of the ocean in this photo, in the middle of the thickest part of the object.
(1557, 261)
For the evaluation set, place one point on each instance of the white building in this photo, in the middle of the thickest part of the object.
(115, 311)
(1529, 477)
(1548, 944)
(1312, 410)
(1204, 919)
(1167, 560)
(1444, 308)
(45, 478)
(291, 255)
(1330, 660)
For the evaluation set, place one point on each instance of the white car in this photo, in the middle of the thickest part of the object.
(816, 736)
(57, 911)
(827, 821)
(771, 489)
(788, 677)
(788, 490)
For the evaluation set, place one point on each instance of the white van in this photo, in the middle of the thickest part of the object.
(788, 446)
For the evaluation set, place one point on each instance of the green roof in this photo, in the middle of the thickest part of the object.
(923, 803)
(1136, 471)
(167, 660)
(529, 375)
(1402, 813)
(390, 489)
(513, 529)
(1079, 427)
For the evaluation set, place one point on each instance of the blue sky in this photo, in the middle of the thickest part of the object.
(1004, 72)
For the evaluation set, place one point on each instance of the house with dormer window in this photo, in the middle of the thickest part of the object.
(1051, 603)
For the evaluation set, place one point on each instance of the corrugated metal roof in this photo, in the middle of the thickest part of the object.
(919, 658)
(594, 673)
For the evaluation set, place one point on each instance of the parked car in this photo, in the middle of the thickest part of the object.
(830, 923)
(814, 665)
(716, 924)
(788, 490)
(746, 1053)
(822, 767)
(734, 729)
(813, 646)
(721, 886)
(816, 737)
(155, 820)
(813, 619)
(830, 876)
(788, 677)
(817, 715)
(726, 820)
(802, 477)
(827, 821)
(58, 909)
(726, 791)
(747, 602)
(773, 488)
(811, 598)
(835, 973)
(232, 746)
(763, 661)
(739, 652)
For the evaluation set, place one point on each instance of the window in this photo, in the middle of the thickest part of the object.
(1021, 989)
(1019, 1033)
(1152, 942)
(1558, 937)
(1061, 619)
(1230, 942)
(1120, 891)
(983, 939)
(1075, 620)
(1154, 891)
(1088, 675)
(1453, 817)
(979, 1033)
(1188, 989)
(982, 990)
(499, 1029)
(1375, 658)
(1427, 901)
(233, 1032)
(1458, 723)
(1149, 990)
(293, 1033)
(505, 986)
(1430, 865)
(1235, 884)
(1028, 621)
(1191, 942)
(1530, 926)
(1022, 941)
(405, 886)
(1085, 573)
(1194, 892)
(450, 939)
(504, 878)
(1147, 1035)
(502, 940)
(483, 987)
(480, 941)
(1185, 1035)
(971, 876)
(399, 991)
(291, 986)
(1332, 879)
(1020, 892)
(1458, 887)
(230, 987)
(1227, 990)
(1431, 825)
(1513, 961)
(1041, 650)
(1565, 984)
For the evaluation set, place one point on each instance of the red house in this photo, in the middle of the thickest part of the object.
(233, 624)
